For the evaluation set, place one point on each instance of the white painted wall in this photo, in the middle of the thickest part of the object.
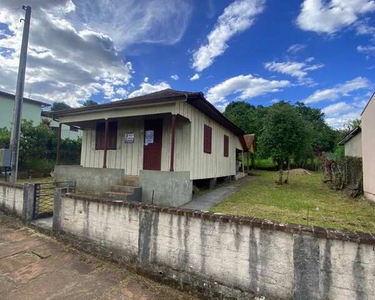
(353, 147)
(368, 149)
(273, 263)
(11, 198)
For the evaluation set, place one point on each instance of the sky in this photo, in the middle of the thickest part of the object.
(320, 52)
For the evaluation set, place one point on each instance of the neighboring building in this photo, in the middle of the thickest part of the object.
(67, 131)
(352, 143)
(31, 109)
(168, 138)
(368, 149)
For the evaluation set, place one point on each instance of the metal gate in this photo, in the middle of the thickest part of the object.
(44, 195)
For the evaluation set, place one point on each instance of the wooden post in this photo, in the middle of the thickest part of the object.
(105, 143)
(248, 161)
(172, 142)
(58, 144)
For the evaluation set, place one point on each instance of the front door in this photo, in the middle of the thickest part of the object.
(152, 144)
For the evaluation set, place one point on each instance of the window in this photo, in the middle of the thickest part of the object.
(111, 137)
(207, 139)
(226, 145)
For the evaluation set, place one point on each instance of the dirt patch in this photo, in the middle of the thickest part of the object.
(299, 172)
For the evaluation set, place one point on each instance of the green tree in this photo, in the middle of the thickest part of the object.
(4, 137)
(56, 106)
(285, 136)
(89, 102)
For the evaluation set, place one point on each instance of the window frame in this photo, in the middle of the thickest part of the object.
(226, 145)
(207, 139)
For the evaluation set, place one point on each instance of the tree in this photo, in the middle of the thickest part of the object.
(285, 136)
(56, 106)
(4, 138)
(89, 102)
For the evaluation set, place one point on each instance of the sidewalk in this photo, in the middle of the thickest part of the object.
(35, 267)
(210, 199)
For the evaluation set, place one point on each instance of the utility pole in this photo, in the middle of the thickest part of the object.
(17, 113)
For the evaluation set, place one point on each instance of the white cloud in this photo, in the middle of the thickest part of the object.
(329, 16)
(339, 114)
(236, 18)
(339, 90)
(147, 88)
(295, 69)
(69, 58)
(245, 87)
(146, 79)
(366, 49)
(175, 77)
(122, 92)
(195, 77)
(141, 21)
(296, 48)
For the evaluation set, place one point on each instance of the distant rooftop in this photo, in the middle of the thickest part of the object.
(12, 96)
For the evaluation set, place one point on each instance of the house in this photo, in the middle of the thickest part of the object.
(67, 132)
(165, 140)
(31, 109)
(368, 148)
(352, 143)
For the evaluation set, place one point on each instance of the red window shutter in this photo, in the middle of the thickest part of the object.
(226, 145)
(111, 138)
(207, 139)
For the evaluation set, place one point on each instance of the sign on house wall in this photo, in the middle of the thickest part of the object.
(129, 138)
(149, 137)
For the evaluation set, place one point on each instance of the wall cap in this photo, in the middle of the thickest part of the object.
(319, 232)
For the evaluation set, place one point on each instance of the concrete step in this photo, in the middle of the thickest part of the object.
(131, 181)
(118, 195)
(122, 188)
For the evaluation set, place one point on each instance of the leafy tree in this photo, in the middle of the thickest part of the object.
(4, 137)
(56, 106)
(349, 126)
(285, 136)
(89, 102)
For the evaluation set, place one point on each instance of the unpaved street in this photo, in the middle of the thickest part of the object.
(34, 266)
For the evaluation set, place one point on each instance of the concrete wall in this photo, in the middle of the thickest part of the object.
(11, 198)
(30, 111)
(93, 180)
(166, 188)
(354, 146)
(368, 146)
(233, 256)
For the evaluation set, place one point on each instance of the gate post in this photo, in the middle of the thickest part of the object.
(28, 202)
(56, 210)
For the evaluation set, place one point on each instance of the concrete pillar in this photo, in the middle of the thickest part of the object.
(28, 202)
(56, 222)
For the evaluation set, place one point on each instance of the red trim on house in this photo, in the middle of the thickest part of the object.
(207, 139)
(226, 145)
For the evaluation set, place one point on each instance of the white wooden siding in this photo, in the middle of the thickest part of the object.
(130, 156)
(204, 165)
(189, 155)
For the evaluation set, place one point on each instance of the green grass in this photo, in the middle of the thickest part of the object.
(290, 203)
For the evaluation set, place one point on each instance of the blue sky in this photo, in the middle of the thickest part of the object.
(318, 52)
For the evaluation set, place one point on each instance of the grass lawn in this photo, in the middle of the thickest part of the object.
(290, 203)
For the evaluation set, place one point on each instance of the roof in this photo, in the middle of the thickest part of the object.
(195, 99)
(350, 135)
(249, 139)
(372, 97)
(12, 96)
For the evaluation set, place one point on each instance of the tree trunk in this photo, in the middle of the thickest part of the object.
(287, 174)
(281, 173)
